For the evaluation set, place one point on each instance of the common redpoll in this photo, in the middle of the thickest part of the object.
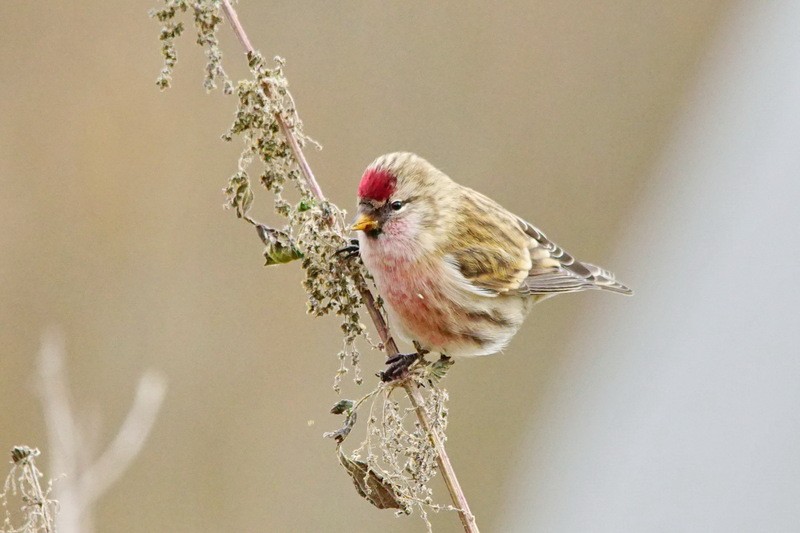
(457, 272)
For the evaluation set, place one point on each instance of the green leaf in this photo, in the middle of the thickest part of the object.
(305, 205)
(342, 406)
(280, 248)
(438, 369)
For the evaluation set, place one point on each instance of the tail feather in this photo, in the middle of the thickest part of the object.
(603, 279)
(554, 270)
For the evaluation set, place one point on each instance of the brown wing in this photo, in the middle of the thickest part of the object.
(506, 254)
(493, 257)
(554, 270)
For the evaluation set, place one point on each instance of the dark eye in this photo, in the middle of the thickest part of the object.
(396, 205)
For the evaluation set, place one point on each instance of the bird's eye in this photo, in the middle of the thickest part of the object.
(396, 205)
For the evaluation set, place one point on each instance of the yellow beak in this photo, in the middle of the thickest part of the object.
(365, 223)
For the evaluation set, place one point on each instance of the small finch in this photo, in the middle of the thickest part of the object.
(458, 272)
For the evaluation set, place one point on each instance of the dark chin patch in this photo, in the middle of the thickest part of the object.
(377, 184)
(373, 233)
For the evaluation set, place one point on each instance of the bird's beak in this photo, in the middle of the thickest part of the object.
(365, 223)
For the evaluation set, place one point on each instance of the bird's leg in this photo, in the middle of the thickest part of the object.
(399, 364)
(348, 252)
(420, 350)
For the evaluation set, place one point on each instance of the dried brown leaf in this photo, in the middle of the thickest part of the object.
(371, 485)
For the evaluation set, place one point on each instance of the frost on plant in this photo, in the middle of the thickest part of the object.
(36, 513)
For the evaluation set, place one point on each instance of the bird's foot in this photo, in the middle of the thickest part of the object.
(398, 366)
(349, 252)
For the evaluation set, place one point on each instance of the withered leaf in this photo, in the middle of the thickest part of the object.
(370, 485)
(240, 197)
(22, 453)
(246, 201)
(340, 434)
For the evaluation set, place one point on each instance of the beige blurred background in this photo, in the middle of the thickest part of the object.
(112, 226)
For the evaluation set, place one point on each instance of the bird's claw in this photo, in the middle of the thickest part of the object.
(398, 366)
(350, 251)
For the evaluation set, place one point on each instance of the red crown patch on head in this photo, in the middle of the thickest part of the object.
(377, 184)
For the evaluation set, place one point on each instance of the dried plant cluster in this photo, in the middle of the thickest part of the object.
(393, 466)
(36, 511)
(206, 20)
(313, 229)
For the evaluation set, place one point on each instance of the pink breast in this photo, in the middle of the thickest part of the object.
(417, 300)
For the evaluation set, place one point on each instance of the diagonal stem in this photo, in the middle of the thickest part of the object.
(411, 387)
(311, 181)
(412, 390)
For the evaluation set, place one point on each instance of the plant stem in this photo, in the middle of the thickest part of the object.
(41, 500)
(311, 181)
(411, 387)
(412, 390)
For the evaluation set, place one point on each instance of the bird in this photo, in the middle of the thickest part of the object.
(457, 272)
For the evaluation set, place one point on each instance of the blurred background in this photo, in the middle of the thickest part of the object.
(658, 139)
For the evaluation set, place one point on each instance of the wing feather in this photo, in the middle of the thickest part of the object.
(555, 270)
(493, 255)
(505, 254)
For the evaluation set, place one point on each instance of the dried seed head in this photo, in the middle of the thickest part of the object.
(207, 19)
(400, 460)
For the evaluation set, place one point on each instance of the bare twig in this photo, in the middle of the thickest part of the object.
(66, 450)
(84, 480)
(443, 460)
(127, 444)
